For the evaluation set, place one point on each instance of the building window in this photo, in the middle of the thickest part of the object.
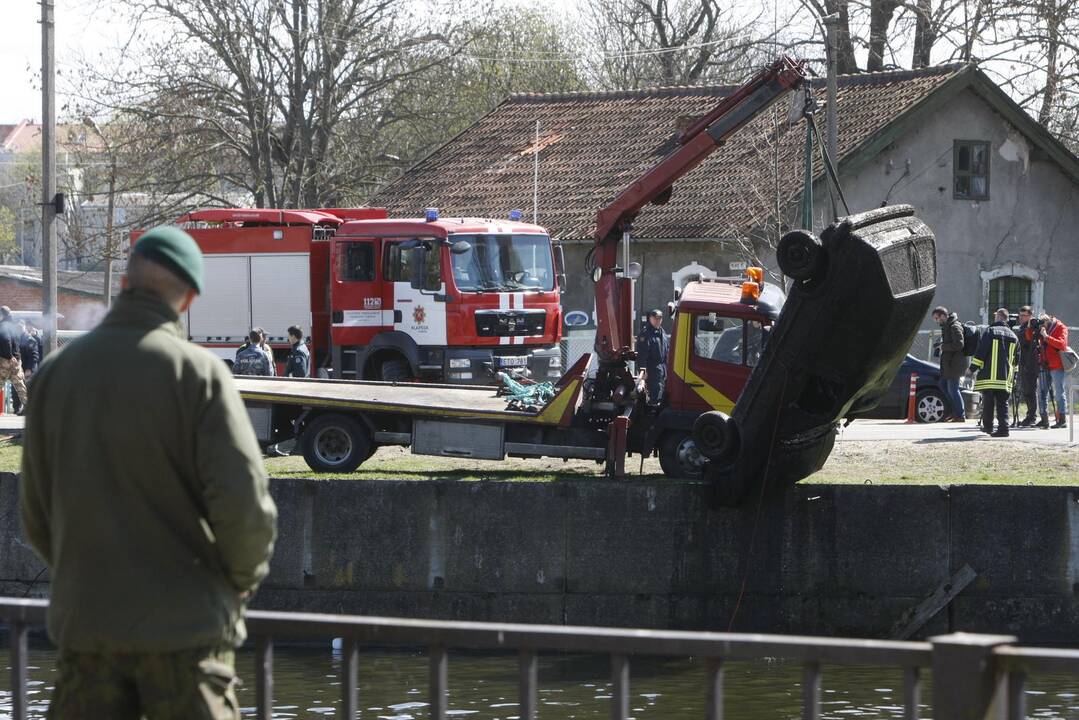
(1009, 292)
(971, 169)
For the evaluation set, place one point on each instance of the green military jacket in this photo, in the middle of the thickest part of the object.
(143, 488)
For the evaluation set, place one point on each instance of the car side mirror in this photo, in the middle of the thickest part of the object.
(460, 247)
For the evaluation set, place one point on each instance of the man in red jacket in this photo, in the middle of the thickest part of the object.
(1052, 337)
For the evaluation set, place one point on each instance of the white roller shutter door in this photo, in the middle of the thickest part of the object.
(223, 310)
(280, 293)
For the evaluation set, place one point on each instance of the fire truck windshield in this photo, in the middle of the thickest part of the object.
(504, 263)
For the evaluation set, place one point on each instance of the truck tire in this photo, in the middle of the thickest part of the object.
(800, 255)
(335, 443)
(679, 456)
(930, 406)
(394, 370)
(714, 435)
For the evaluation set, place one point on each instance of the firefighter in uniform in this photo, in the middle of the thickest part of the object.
(994, 367)
(145, 494)
(652, 345)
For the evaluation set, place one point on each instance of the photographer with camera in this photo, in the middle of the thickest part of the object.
(1029, 367)
(1051, 337)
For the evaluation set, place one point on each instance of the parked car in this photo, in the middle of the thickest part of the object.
(930, 405)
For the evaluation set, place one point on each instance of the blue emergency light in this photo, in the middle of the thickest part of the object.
(515, 215)
(432, 214)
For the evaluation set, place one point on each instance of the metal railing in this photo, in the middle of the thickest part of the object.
(971, 672)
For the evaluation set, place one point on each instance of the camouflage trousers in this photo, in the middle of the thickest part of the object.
(183, 685)
(11, 369)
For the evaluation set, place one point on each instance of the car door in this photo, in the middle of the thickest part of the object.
(715, 359)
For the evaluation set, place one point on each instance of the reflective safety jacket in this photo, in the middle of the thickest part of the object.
(994, 360)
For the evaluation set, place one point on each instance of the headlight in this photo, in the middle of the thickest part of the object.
(556, 362)
(460, 363)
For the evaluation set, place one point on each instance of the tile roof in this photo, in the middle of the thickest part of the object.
(592, 144)
(89, 282)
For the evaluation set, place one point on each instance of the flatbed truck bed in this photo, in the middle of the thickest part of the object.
(339, 424)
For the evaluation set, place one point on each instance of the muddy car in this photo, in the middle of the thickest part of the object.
(860, 291)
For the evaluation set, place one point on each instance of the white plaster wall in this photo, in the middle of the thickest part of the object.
(1031, 218)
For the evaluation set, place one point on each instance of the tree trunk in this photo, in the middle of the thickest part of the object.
(1052, 72)
(924, 34)
(846, 63)
(880, 17)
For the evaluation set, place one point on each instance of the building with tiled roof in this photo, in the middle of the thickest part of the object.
(999, 191)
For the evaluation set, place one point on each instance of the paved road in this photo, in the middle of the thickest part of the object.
(946, 432)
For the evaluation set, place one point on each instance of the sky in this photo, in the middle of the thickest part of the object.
(79, 29)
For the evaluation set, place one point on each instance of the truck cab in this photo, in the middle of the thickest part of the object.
(447, 300)
(442, 300)
(717, 336)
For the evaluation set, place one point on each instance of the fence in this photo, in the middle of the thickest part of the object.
(973, 675)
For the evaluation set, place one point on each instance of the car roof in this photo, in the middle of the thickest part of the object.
(707, 294)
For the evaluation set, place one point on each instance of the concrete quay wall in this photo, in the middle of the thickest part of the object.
(827, 559)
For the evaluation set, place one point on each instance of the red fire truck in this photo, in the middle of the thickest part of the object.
(450, 300)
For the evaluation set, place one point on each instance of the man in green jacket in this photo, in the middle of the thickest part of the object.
(143, 490)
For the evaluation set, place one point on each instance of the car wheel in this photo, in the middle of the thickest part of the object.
(335, 443)
(714, 435)
(930, 406)
(394, 370)
(679, 456)
(800, 255)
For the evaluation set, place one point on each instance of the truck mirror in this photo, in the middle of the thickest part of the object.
(633, 270)
(460, 247)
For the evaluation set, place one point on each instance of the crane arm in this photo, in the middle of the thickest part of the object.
(614, 335)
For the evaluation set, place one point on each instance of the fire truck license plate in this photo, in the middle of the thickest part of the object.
(513, 361)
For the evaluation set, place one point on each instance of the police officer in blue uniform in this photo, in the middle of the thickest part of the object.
(652, 346)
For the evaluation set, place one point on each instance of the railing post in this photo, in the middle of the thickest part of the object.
(350, 662)
(714, 671)
(619, 687)
(438, 684)
(811, 691)
(529, 680)
(966, 675)
(18, 631)
(264, 678)
(912, 692)
(1017, 690)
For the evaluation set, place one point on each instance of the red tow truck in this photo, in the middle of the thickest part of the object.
(749, 396)
(452, 300)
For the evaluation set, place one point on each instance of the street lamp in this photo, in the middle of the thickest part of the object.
(109, 245)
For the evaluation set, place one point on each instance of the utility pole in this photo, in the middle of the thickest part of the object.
(830, 23)
(110, 248)
(49, 200)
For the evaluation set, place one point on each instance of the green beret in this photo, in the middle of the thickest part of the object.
(172, 247)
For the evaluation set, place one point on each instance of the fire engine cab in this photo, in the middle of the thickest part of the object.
(451, 300)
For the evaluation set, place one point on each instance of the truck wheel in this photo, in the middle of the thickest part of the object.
(800, 255)
(394, 370)
(929, 406)
(679, 456)
(335, 443)
(714, 435)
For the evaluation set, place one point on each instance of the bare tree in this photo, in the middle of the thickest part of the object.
(642, 43)
(264, 90)
(845, 60)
